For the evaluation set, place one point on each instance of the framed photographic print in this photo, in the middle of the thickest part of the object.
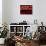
(25, 9)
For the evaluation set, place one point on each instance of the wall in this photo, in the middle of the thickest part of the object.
(12, 11)
(4, 11)
(15, 14)
(0, 13)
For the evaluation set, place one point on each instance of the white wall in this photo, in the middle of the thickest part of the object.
(4, 11)
(12, 11)
(0, 13)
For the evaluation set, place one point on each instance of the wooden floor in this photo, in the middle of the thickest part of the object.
(36, 44)
(32, 45)
(42, 45)
(1, 45)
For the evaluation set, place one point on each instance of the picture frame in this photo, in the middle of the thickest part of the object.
(25, 9)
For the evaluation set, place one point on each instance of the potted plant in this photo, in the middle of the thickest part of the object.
(3, 34)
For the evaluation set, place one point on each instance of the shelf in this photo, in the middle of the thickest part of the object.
(12, 32)
(16, 32)
(19, 25)
(20, 29)
(19, 32)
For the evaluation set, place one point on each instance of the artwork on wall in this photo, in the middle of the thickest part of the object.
(25, 9)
